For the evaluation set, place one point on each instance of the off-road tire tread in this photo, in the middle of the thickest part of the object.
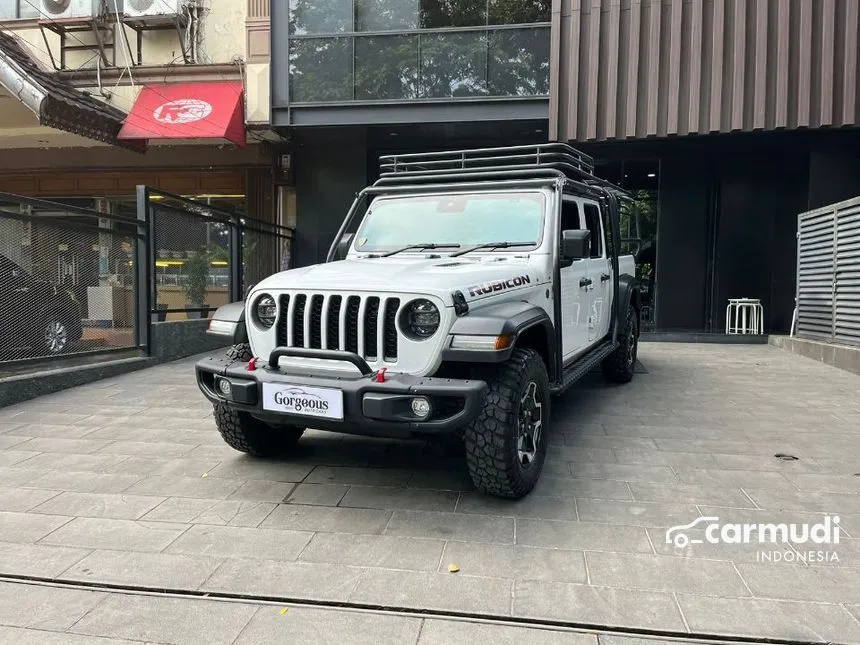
(614, 366)
(487, 437)
(243, 432)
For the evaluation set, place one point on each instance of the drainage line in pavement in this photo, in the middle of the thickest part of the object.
(422, 613)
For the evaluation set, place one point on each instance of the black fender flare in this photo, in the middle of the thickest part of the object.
(628, 294)
(513, 318)
(232, 319)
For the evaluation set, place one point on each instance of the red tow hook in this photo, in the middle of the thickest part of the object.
(252, 364)
(380, 375)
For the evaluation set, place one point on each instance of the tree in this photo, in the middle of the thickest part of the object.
(197, 278)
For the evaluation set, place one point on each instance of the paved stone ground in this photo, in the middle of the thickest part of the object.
(126, 482)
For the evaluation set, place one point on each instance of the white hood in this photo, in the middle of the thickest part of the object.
(475, 277)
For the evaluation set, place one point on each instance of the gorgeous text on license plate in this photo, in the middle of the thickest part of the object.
(308, 401)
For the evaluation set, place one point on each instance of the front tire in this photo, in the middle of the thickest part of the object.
(243, 432)
(506, 443)
(620, 365)
(56, 335)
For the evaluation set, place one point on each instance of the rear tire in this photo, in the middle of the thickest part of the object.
(506, 443)
(620, 365)
(243, 432)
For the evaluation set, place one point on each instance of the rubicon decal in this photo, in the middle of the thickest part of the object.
(485, 288)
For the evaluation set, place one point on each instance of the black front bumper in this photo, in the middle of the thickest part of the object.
(369, 407)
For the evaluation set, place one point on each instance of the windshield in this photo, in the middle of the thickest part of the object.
(465, 220)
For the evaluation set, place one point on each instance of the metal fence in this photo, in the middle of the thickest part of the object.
(202, 257)
(80, 281)
(67, 280)
(828, 273)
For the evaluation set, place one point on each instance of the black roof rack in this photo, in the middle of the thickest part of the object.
(544, 160)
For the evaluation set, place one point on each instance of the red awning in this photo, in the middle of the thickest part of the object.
(188, 111)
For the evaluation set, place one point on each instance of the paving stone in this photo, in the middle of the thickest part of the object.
(537, 506)
(794, 500)
(459, 632)
(83, 482)
(612, 639)
(155, 570)
(330, 520)
(206, 511)
(399, 498)
(452, 526)
(624, 472)
(300, 580)
(456, 480)
(166, 620)
(636, 513)
(77, 463)
(23, 499)
(690, 494)
(742, 478)
(585, 488)
(9, 441)
(720, 551)
(358, 476)
(37, 559)
(807, 621)
(515, 562)
(317, 494)
(16, 457)
(435, 591)
(638, 456)
(100, 533)
(46, 430)
(260, 490)
(244, 467)
(28, 527)
(23, 636)
(662, 573)
(374, 551)
(311, 626)
(200, 487)
(596, 605)
(828, 483)
(44, 607)
(240, 542)
(813, 583)
(63, 446)
(184, 467)
(120, 507)
(160, 450)
(582, 536)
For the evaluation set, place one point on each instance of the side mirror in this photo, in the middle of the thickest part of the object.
(343, 246)
(575, 244)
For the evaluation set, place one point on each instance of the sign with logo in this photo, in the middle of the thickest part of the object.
(307, 401)
(182, 111)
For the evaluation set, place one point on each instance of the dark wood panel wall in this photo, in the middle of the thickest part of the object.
(626, 69)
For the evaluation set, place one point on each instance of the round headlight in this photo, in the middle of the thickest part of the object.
(265, 310)
(422, 318)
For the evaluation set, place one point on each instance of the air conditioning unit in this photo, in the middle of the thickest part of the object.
(147, 8)
(57, 9)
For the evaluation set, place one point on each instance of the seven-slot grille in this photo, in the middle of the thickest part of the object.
(364, 325)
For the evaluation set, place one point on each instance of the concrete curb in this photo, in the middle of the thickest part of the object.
(844, 357)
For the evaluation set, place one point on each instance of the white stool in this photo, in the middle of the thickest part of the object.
(744, 316)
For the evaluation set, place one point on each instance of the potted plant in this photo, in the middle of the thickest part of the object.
(196, 282)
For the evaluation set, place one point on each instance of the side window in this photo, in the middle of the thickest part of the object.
(570, 215)
(592, 222)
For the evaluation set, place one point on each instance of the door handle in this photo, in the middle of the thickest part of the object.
(605, 277)
(585, 282)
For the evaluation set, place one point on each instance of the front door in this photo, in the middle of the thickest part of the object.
(599, 270)
(575, 289)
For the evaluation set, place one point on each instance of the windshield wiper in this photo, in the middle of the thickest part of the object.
(491, 245)
(426, 245)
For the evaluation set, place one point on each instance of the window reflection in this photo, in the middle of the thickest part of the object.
(453, 64)
(518, 12)
(518, 62)
(453, 13)
(321, 69)
(386, 67)
(320, 16)
(386, 15)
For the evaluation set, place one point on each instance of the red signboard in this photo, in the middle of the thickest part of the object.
(188, 111)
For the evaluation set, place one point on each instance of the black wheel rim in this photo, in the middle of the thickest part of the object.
(529, 425)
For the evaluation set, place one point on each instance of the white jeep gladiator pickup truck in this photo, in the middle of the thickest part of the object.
(476, 284)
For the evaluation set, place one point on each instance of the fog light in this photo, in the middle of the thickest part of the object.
(421, 407)
(224, 387)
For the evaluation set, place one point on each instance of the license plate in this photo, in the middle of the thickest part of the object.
(323, 402)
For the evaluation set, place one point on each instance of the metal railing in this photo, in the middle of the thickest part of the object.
(77, 281)
(68, 280)
(828, 273)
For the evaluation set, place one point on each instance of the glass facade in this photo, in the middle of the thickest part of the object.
(394, 50)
